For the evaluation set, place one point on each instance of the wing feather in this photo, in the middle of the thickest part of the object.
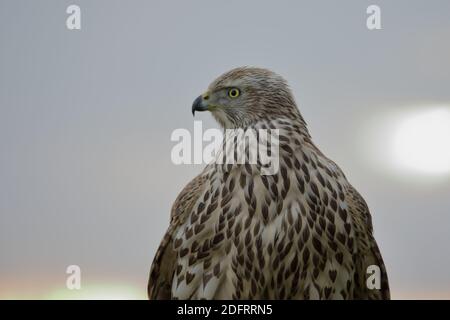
(367, 249)
(164, 262)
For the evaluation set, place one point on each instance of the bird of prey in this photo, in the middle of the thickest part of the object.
(301, 233)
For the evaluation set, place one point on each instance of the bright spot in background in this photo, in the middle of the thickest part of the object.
(98, 292)
(422, 142)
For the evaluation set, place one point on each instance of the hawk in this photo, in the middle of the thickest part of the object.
(301, 233)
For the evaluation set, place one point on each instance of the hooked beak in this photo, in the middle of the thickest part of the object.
(199, 104)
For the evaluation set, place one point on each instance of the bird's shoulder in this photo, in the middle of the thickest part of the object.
(164, 262)
(367, 252)
(188, 196)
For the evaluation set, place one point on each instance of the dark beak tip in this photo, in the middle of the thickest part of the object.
(197, 105)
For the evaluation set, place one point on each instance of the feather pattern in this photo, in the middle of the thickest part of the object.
(302, 233)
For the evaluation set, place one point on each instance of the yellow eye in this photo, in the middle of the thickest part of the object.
(234, 93)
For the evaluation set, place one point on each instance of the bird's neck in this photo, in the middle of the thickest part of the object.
(295, 125)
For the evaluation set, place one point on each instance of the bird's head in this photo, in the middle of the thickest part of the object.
(243, 96)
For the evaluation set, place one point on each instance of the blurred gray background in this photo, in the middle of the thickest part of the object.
(86, 116)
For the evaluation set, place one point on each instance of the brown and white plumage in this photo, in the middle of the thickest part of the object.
(302, 233)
